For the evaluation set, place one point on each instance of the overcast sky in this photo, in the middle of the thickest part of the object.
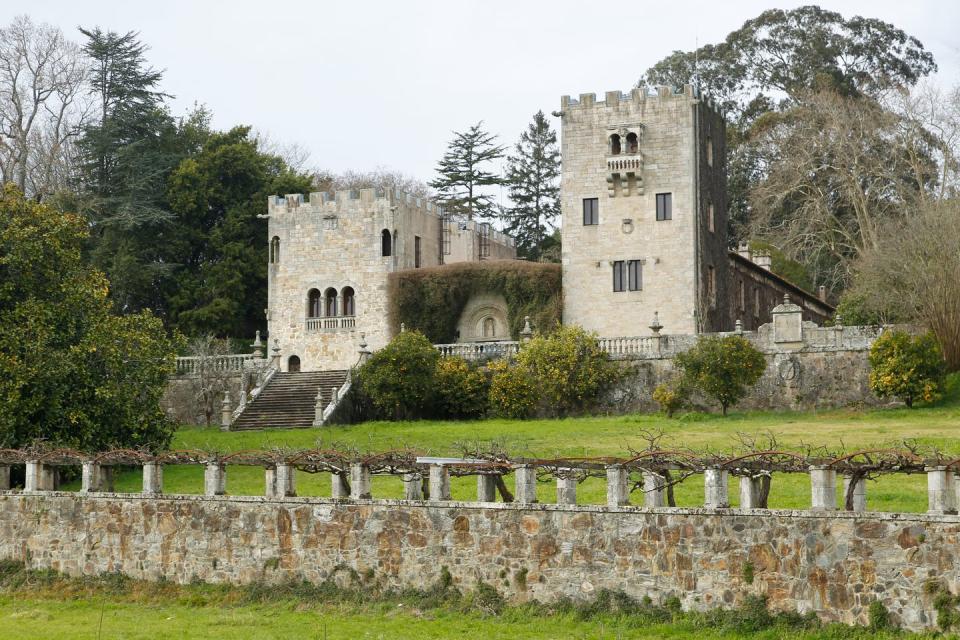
(365, 84)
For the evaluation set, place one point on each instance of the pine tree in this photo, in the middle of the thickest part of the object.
(463, 172)
(532, 174)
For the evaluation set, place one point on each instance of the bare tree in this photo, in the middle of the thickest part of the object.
(379, 178)
(212, 380)
(42, 105)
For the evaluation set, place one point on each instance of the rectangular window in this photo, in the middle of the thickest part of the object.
(742, 296)
(619, 273)
(634, 275)
(591, 211)
(756, 302)
(711, 225)
(712, 286)
(416, 252)
(664, 206)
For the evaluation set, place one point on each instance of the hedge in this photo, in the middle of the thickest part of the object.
(431, 300)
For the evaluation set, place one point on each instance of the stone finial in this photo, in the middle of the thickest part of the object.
(403, 327)
(257, 346)
(838, 321)
(226, 413)
(786, 298)
(527, 332)
(738, 327)
(364, 351)
(655, 326)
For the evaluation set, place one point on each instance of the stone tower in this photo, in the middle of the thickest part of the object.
(644, 212)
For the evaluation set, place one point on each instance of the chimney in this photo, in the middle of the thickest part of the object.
(744, 250)
(822, 293)
(762, 260)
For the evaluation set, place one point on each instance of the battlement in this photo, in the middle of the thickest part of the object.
(637, 96)
(346, 200)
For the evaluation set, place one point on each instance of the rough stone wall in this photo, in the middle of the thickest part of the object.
(834, 564)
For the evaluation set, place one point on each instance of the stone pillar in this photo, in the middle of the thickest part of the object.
(715, 493)
(749, 492)
(823, 488)
(285, 481)
(226, 413)
(91, 477)
(940, 491)
(526, 484)
(152, 478)
(338, 486)
(859, 494)
(360, 482)
(653, 489)
(4, 477)
(36, 477)
(412, 486)
(486, 488)
(567, 490)
(956, 493)
(439, 483)
(214, 479)
(618, 486)
(270, 482)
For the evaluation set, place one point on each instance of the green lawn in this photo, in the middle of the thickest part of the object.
(847, 430)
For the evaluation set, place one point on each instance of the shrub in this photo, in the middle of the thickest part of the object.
(671, 395)
(513, 393)
(723, 368)
(399, 379)
(569, 369)
(907, 367)
(879, 616)
(462, 390)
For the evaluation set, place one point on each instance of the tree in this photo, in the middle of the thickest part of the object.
(71, 372)
(462, 174)
(914, 273)
(42, 106)
(217, 239)
(211, 382)
(723, 368)
(379, 178)
(399, 379)
(907, 367)
(532, 174)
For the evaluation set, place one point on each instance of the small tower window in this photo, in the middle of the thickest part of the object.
(632, 144)
(349, 306)
(386, 244)
(711, 225)
(330, 302)
(712, 286)
(615, 144)
(314, 304)
(709, 151)
(275, 250)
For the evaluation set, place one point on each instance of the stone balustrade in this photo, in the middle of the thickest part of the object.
(231, 363)
(479, 350)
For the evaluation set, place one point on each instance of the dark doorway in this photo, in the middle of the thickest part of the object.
(293, 364)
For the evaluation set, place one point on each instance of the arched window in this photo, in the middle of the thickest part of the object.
(330, 302)
(314, 306)
(632, 144)
(489, 327)
(349, 306)
(615, 144)
(386, 245)
(275, 250)
(293, 364)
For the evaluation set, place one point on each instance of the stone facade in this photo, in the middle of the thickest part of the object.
(328, 249)
(832, 563)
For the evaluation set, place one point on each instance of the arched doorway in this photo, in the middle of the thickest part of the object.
(293, 364)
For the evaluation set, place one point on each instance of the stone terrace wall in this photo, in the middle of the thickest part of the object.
(835, 564)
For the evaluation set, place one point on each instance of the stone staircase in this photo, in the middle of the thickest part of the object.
(290, 400)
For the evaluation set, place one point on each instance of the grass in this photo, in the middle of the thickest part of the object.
(847, 429)
(43, 604)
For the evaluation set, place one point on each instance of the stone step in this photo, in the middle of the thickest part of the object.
(289, 400)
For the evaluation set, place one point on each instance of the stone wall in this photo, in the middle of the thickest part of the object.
(834, 564)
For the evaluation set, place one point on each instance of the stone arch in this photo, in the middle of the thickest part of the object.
(484, 318)
(293, 364)
(615, 144)
(386, 243)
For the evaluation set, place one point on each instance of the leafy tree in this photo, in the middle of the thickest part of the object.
(463, 173)
(217, 238)
(723, 368)
(513, 391)
(532, 175)
(71, 372)
(907, 367)
(399, 379)
(461, 388)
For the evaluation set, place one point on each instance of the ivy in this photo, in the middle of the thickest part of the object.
(431, 300)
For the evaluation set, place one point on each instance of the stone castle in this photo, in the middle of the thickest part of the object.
(644, 241)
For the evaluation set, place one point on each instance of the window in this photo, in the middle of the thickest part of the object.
(349, 306)
(710, 222)
(330, 302)
(712, 286)
(756, 302)
(293, 364)
(634, 275)
(484, 240)
(275, 250)
(615, 144)
(619, 273)
(314, 303)
(742, 296)
(591, 211)
(709, 151)
(664, 206)
(386, 246)
(416, 252)
(632, 143)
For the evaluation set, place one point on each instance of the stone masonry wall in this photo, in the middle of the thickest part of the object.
(834, 564)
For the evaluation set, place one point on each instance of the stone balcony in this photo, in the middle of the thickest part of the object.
(333, 323)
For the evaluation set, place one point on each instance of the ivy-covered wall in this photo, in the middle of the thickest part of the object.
(431, 300)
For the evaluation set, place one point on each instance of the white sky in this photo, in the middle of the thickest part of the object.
(362, 84)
